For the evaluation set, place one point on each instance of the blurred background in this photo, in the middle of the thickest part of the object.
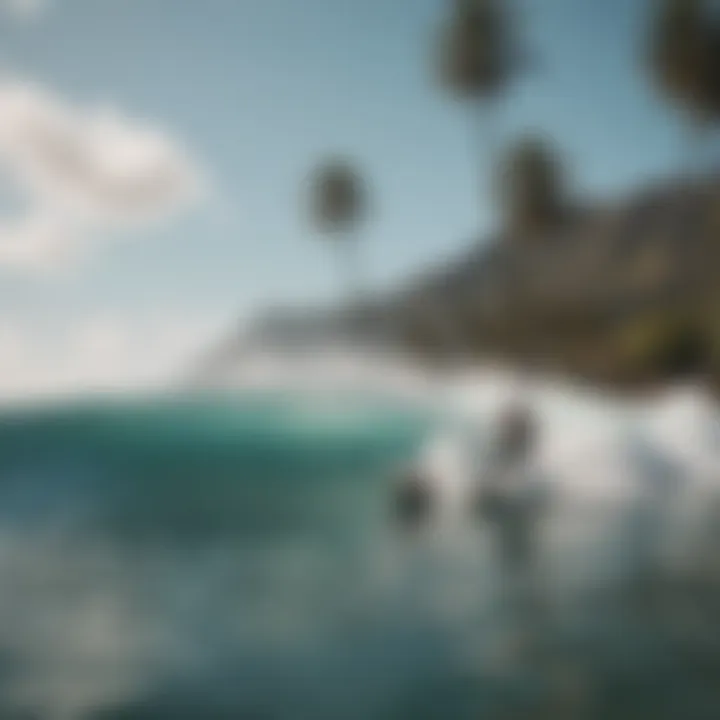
(359, 359)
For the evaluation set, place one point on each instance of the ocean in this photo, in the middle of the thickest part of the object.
(235, 555)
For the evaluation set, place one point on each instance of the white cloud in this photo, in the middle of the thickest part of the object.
(101, 353)
(87, 173)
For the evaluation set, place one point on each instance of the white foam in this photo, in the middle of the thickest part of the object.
(585, 436)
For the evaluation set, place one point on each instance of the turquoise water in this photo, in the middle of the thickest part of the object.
(194, 557)
(193, 469)
(235, 557)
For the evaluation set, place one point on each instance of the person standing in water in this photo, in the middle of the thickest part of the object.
(510, 500)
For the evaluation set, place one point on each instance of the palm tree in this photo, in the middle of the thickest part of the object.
(685, 60)
(530, 187)
(338, 205)
(479, 57)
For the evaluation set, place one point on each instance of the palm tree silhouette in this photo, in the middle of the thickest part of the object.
(685, 61)
(338, 205)
(479, 57)
(530, 187)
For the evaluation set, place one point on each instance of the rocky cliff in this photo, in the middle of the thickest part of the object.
(625, 295)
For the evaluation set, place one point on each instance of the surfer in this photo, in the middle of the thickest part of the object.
(430, 487)
(413, 499)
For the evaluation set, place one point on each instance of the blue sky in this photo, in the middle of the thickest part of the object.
(252, 92)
